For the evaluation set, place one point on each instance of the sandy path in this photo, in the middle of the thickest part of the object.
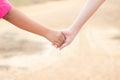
(93, 55)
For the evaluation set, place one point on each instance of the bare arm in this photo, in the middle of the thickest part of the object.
(88, 10)
(20, 20)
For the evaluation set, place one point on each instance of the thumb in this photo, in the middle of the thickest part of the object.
(64, 45)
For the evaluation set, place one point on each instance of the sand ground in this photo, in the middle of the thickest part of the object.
(93, 55)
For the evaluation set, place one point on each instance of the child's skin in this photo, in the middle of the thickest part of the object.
(20, 20)
(88, 10)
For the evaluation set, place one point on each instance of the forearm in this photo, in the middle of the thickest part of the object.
(20, 20)
(88, 10)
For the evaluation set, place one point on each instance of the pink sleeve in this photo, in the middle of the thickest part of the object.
(5, 6)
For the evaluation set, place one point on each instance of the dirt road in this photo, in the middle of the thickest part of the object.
(93, 55)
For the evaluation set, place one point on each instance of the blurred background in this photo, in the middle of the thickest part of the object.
(93, 55)
(20, 44)
(60, 14)
(28, 2)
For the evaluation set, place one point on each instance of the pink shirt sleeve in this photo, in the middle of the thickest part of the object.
(5, 6)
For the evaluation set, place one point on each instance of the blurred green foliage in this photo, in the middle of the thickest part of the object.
(28, 2)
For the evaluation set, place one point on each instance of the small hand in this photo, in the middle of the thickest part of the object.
(60, 40)
(69, 38)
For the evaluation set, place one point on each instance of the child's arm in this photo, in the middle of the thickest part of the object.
(20, 20)
(88, 10)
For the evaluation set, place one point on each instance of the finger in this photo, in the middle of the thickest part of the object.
(59, 43)
(56, 44)
(64, 45)
(64, 37)
(62, 40)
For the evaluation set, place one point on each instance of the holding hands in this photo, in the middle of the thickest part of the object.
(87, 11)
(67, 37)
(59, 39)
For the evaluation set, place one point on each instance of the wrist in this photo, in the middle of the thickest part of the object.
(46, 33)
(73, 31)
